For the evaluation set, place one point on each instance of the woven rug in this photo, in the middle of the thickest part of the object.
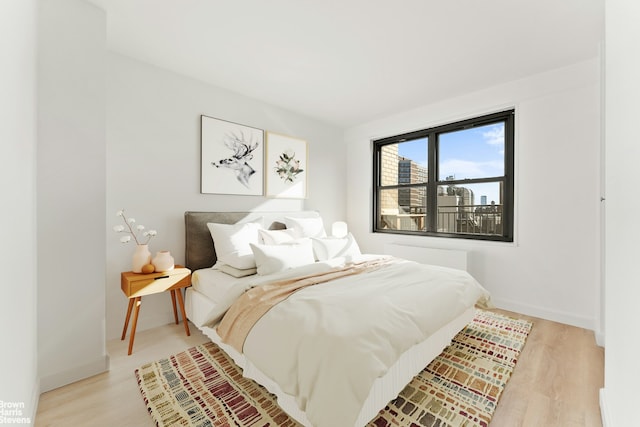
(202, 386)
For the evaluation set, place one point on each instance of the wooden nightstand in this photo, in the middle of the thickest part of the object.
(137, 285)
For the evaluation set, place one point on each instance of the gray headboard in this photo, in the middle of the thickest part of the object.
(199, 246)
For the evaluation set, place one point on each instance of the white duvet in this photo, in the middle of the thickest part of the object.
(326, 344)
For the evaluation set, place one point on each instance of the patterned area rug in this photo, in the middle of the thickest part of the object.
(202, 386)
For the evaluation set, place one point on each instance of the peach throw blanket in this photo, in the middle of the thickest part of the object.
(253, 304)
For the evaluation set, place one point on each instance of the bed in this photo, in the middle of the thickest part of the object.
(353, 329)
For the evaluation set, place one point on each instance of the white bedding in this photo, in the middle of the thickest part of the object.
(223, 289)
(328, 348)
(217, 285)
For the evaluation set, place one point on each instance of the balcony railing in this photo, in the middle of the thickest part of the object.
(463, 219)
(470, 219)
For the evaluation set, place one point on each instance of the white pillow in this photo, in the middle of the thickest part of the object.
(236, 272)
(306, 227)
(276, 237)
(274, 258)
(332, 247)
(231, 242)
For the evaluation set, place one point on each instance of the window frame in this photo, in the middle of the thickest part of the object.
(431, 186)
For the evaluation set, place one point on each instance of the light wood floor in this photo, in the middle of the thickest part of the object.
(555, 383)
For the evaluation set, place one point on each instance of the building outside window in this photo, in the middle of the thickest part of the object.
(454, 180)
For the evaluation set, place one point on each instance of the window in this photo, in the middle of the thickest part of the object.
(454, 180)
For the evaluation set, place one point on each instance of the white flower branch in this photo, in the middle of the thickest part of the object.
(129, 230)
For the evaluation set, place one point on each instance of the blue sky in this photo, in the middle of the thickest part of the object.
(471, 153)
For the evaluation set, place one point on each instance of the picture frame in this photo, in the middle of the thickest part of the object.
(232, 158)
(286, 166)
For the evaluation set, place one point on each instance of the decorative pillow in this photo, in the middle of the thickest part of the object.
(306, 227)
(274, 258)
(231, 242)
(276, 237)
(332, 247)
(236, 272)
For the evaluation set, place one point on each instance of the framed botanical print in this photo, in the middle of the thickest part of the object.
(232, 158)
(286, 166)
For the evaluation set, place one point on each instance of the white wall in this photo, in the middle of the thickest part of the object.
(552, 268)
(71, 192)
(622, 152)
(18, 40)
(153, 166)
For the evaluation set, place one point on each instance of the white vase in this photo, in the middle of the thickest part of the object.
(141, 256)
(163, 261)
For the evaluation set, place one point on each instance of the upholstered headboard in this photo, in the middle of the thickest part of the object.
(199, 247)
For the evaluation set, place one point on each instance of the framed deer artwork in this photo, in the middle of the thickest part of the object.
(286, 166)
(232, 158)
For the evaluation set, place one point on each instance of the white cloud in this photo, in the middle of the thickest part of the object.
(463, 169)
(494, 136)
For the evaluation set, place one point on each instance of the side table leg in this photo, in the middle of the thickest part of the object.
(138, 302)
(126, 320)
(184, 314)
(173, 301)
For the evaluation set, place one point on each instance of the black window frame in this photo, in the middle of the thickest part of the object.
(508, 118)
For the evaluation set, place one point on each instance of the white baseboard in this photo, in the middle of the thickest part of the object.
(78, 373)
(543, 313)
(35, 399)
(604, 413)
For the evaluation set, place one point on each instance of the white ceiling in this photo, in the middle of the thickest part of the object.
(347, 62)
